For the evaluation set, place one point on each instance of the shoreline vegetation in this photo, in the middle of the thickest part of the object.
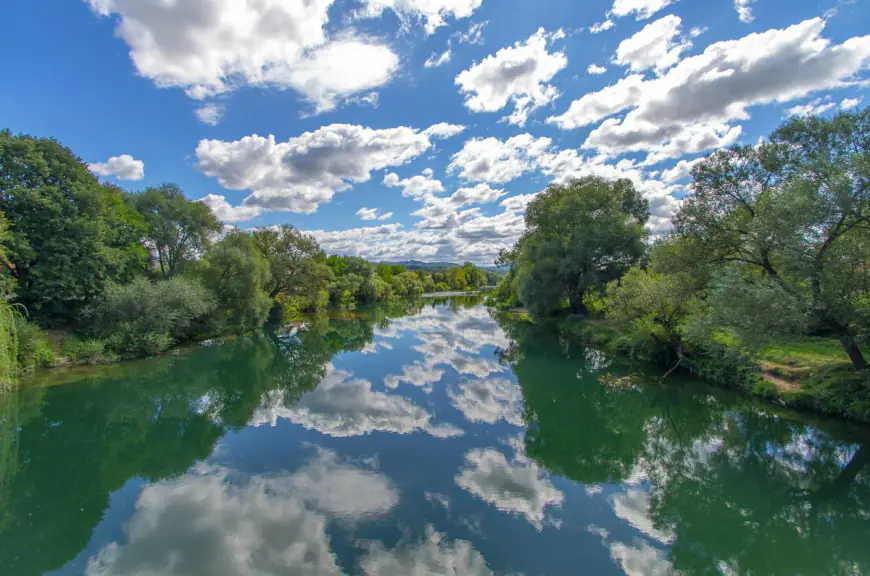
(91, 273)
(763, 284)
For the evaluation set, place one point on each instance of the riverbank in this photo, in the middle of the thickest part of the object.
(812, 374)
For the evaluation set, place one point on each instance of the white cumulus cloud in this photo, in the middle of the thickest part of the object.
(744, 10)
(436, 60)
(216, 46)
(595, 69)
(227, 213)
(307, 170)
(123, 167)
(519, 74)
(372, 214)
(658, 45)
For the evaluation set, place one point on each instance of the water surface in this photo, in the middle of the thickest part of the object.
(419, 438)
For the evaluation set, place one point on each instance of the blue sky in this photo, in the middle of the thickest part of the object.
(381, 155)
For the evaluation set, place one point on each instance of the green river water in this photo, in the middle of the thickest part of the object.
(419, 438)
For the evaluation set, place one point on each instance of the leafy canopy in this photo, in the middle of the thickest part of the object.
(579, 237)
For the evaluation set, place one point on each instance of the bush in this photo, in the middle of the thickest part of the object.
(146, 317)
(35, 350)
(91, 351)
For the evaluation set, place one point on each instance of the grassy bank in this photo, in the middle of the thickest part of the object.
(811, 374)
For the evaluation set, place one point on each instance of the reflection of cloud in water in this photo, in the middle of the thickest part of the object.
(446, 339)
(516, 487)
(641, 560)
(209, 522)
(343, 406)
(415, 374)
(633, 506)
(489, 401)
(375, 345)
(434, 555)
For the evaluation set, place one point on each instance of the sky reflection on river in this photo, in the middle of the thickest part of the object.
(426, 438)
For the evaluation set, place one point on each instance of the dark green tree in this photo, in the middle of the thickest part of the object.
(68, 234)
(579, 237)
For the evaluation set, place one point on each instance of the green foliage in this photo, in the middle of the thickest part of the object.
(146, 317)
(407, 284)
(91, 351)
(578, 238)
(442, 287)
(296, 262)
(787, 223)
(68, 234)
(8, 343)
(35, 349)
(177, 229)
(235, 271)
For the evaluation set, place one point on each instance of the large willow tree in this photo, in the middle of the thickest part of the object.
(788, 224)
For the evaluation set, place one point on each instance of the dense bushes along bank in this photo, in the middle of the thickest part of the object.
(124, 275)
(764, 282)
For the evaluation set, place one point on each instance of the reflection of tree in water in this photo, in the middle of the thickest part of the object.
(65, 449)
(739, 487)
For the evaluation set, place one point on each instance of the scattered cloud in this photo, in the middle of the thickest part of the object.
(227, 213)
(416, 186)
(600, 27)
(372, 214)
(436, 60)
(744, 11)
(489, 401)
(813, 108)
(307, 170)
(642, 9)
(849, 103)
(659, 45)
(595, 69)
(474, 34)
(431, 12)
(210, 113)
(519, 74)
(123, 167)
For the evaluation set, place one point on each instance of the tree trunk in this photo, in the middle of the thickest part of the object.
(577, 306)
(852, 349)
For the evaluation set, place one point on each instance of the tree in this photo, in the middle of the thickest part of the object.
(178, 229)
(236, 272)
(69, 235)
(579, 237)
(790, 219)
(290, 254)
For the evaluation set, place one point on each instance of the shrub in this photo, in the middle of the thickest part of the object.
(146, 317)
(91, 351)
(35, 350)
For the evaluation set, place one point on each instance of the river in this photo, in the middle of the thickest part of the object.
(418, 438)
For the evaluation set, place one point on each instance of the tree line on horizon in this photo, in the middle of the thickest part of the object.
(131, 274)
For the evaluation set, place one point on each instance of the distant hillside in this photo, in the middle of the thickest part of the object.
(414, 265)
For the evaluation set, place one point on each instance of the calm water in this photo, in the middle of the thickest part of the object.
(426, 440)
